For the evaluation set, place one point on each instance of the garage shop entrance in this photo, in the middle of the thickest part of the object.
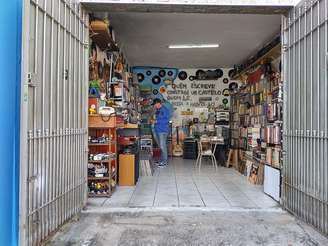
(246, 94)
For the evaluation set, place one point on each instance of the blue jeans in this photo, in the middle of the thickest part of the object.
(161, 140)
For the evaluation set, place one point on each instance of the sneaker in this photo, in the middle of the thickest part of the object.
(162, 164)
(157, 163)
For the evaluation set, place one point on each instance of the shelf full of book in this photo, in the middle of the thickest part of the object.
(256, 111)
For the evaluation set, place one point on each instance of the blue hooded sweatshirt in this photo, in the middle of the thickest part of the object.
(162, 120)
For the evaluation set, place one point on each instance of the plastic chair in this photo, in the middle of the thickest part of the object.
(205, 152)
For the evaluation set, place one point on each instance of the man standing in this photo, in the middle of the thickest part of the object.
(161, 129)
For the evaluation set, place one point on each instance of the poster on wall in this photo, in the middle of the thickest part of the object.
(196, 89)
(188, 93)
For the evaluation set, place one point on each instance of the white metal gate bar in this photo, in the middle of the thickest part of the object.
(56, 187)
(305, 172)
(57, 116)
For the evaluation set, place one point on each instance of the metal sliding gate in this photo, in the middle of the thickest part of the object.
(305, 173)
(55, 121)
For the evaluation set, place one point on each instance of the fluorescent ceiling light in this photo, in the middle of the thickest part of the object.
(193, 46)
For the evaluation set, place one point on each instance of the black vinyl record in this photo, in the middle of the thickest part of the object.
(162, 73)
(211, 75)
(201, 74)
(148, 73)
(232, 73)
(192, 78)
(233, 86)
(155, 91)
(140, 77)
(225, 81)
(219, 72)
(156, 80)
(182, 75)
(170, 73)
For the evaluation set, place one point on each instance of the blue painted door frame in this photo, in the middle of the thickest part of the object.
(10, 69)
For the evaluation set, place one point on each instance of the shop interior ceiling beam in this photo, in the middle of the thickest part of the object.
(189, 6)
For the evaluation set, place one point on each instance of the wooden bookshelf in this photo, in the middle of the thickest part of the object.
(259, 128)
(99, 129)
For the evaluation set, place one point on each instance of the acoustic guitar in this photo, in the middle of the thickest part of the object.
(177, 149)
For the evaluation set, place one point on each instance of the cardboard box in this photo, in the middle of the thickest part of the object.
(126, 170)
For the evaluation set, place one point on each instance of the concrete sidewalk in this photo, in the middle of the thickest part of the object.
(187, 227)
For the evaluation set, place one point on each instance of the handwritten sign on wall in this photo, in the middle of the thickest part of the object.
(199, 93)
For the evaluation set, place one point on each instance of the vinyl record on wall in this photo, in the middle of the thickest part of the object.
(225, 101)
(219, 72)
(225, 81)
(148, 73)
(140, 77)
(182, 75)
(156, 80)
(192, 78)
(162, 73)
(170, 73)
(200, 74)
(226, 92)
(232, 73)
(211, 75)
(155, 91)
(233, 86)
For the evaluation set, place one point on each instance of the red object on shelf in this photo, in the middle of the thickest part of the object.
(156, 154)
(126, 140)
(119, 120)
(255, 76)
(93, 100)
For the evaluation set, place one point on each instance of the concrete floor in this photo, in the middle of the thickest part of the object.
(182, 185)
(181, 206)
(244, 228)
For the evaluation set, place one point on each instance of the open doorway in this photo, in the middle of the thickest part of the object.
(216, 113)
